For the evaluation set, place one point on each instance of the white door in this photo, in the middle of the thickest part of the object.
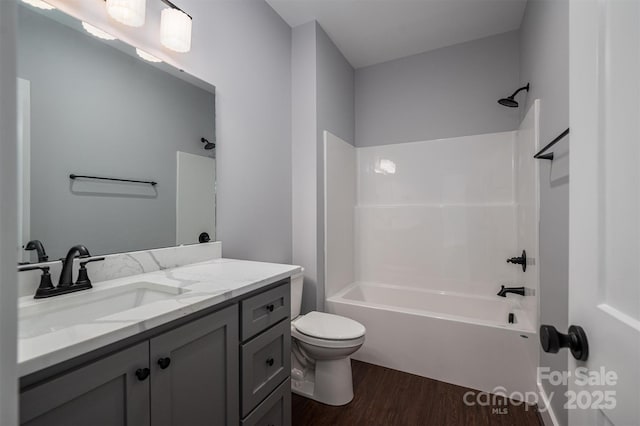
(195, 197)
(604, 271)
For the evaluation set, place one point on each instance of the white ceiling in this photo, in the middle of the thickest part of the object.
(368, 32)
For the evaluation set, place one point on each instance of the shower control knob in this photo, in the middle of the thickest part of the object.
(576, 340)
(521, 260)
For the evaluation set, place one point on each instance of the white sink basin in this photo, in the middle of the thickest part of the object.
(61, 312)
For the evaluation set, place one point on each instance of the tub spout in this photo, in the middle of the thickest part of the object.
(515, 290)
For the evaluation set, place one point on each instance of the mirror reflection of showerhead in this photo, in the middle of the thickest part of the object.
(208, 145)
(510, 101)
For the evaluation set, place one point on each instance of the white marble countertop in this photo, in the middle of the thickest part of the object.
(203, 285)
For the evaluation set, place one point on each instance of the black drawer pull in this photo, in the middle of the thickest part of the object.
(142, 373)
(164, 362)
(270, 307)
(270, 362)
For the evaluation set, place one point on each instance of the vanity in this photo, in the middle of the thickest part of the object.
(204, 343)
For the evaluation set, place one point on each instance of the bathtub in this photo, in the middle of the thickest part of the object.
(456, 338)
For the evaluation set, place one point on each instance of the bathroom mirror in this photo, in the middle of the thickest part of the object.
(115, 152)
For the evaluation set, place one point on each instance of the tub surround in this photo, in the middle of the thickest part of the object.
(198, 285)
(429, 226)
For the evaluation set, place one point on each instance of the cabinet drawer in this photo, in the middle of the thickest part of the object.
(273, 411)
(265, 309)
(266, 362)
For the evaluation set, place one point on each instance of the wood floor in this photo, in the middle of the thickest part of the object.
(389, 397)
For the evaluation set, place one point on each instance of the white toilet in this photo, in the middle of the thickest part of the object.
(321, 346)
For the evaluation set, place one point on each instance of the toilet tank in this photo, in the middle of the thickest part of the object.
(296, 293)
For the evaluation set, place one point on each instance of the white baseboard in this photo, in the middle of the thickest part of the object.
(544, 408)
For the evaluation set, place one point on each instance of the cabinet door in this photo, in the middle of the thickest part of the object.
(194, 372)
(105, 392)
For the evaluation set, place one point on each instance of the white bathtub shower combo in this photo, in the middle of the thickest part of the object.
(416, 241)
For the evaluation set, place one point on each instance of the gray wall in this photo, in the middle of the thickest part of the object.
(544, 46)
(323, 99)
(244, 49)
(443, 93)
(8, 216)
(335, 113)
(104, 113)
(304, 159)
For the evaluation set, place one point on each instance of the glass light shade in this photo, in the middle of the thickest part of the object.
(39, 4)
(128, 12)
(97, 32)
(147, 56)
(175, 30)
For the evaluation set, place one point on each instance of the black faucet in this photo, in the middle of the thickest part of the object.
(66, 278)
(515, 290)
(39, 248)
(65, 284)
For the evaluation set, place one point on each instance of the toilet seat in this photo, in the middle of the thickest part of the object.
(328, 330)
(326, 343)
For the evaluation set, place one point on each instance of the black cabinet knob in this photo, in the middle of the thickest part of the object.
(270, 362)
(164, 362)
(142, 373)
(576, 340)
(270, 308)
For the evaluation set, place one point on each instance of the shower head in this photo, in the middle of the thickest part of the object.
(208, 145)
(510, 101)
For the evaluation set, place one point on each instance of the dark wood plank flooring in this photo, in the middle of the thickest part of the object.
(389, 397)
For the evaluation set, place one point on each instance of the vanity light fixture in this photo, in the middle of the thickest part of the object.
(175, 28)
(128, 12)
(147, 56)
(39, 4)
(97, 32)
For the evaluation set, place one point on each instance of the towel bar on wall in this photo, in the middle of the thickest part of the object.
(541, 154)
(148, 182)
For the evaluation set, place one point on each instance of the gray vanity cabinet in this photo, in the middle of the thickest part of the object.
(194, 372)
(228, 367)
(105, 392)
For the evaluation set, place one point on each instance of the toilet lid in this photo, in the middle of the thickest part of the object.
(329, 326)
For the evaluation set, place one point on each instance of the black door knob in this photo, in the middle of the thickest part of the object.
(270, 362)
(270, 308)
(164, 362)
(576, 340)
(142, 373)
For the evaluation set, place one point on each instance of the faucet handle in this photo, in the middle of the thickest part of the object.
(83, 275)
(94, 259)
(46, 288)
